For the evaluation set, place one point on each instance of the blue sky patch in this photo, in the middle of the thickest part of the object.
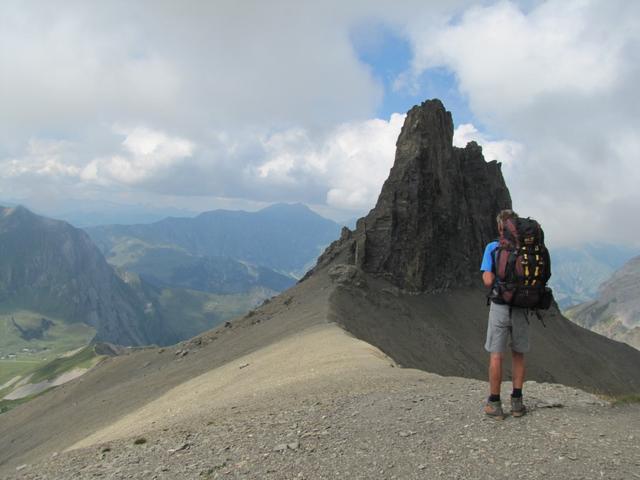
(388, 55)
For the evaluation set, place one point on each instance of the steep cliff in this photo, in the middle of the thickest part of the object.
(435, 213)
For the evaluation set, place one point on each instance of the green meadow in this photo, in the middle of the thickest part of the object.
(19, 356)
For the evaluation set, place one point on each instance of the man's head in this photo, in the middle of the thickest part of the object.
(503, 216)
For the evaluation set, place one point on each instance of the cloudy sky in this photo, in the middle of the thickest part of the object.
(198, 105)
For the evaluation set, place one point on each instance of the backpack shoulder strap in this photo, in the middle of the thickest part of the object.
(494, 258)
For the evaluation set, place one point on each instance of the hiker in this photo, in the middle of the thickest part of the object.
(504, 321)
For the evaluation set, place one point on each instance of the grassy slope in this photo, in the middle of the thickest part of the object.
(83, 358)
(61, 337)
(191, 312)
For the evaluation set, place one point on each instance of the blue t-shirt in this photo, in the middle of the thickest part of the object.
(487, 258)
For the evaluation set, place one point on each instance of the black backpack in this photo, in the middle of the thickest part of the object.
(522, 266)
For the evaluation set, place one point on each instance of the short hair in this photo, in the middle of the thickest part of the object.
(505, 215)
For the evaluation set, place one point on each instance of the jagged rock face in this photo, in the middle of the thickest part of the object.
(436, 211)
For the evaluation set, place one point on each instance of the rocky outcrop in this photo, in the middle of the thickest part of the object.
(436, 211)
(31, 332)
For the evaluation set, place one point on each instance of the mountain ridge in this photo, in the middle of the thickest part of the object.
(284, 238)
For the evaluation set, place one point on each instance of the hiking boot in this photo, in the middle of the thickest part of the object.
(494, 410)
(517, 407)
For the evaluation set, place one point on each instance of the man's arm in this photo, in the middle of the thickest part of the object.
(488, 278)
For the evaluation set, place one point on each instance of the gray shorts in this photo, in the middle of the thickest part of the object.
(502, 326)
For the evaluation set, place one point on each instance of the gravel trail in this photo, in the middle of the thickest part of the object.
(411, 425)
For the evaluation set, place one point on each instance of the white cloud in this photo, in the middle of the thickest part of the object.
(344, 168)
(146, 154)
(506, 59)
(360, 157)
(351, 162)
(505, 151)
(267, 101)
(560, 81)
(44, 159)
(194, 67)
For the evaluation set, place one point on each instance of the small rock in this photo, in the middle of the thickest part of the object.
(294, 445)
(182, 447)
(549, 404)
(280, 448)
(21, 467)
(244, 365)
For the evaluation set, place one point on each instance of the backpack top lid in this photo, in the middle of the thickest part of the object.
(520, 231)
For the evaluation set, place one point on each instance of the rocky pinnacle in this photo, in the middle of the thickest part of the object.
(435, 213)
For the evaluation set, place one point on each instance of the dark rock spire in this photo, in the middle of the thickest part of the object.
(435, 213)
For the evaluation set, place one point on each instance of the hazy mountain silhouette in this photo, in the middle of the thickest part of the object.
(578, 271)
(51, 267)
(616, 310)
(283, 237)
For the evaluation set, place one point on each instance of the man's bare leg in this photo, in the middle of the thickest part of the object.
(493, 407)
(495, 372)
(518, 408)
(518, 369)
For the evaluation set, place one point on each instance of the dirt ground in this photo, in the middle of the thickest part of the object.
(287, 393)
(322, 404)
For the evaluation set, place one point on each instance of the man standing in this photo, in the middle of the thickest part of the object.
(505, 322)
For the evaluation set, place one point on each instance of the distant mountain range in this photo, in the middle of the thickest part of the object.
(170, 266)
(284, 238)
(616, 310)
(578, 271)
(50, 267)
(51, 270)
(58, 293)
(88, 213)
